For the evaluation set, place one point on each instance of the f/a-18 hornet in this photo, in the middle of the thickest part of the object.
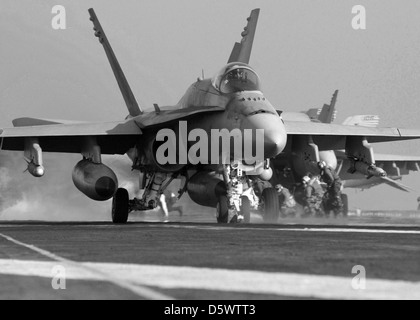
(290, 173)
(223, 131)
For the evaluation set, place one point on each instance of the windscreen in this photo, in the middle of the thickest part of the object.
(236, 79)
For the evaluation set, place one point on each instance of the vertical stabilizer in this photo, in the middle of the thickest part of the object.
(128, 95)
(242, 51)
(327, 114)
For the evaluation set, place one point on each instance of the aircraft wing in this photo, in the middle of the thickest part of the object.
(113, 137)
(30, 122)
(333, 136)
(398, 165)
(408, 163)
(396, 158)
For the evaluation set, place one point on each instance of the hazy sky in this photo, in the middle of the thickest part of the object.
(303, 51)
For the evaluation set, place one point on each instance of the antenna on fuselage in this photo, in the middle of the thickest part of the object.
(157, 108)
(127, 93)
(201, 78)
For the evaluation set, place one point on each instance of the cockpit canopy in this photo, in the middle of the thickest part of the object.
(236, 77)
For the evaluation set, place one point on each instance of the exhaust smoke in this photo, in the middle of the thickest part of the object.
(53, 197)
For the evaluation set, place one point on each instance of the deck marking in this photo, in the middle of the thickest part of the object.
(88, 270)
(225, 280)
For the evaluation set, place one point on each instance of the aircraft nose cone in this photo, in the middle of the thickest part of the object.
(273, 144)
(274, 133)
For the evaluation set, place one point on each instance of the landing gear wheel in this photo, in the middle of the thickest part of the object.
(120, 207)
(271, 205)
(345, 200)
(246, 209)
(222, 210)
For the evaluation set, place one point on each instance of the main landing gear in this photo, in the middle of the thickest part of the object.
(271, 205)
(222, 213)
(154, 186)
(120, 207)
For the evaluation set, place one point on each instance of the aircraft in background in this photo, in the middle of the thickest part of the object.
(232, 100)
(395, 166)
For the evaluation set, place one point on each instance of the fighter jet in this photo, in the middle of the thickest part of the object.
(387, 169)
(396, 166)
(232, 102)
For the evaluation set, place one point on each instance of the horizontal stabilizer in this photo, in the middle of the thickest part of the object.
(370, 121)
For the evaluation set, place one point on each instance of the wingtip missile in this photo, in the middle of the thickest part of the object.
(35, 170)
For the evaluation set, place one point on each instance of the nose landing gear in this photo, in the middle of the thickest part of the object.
(237, 205)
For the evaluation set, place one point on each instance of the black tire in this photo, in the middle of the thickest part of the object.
(222, 210)
(345, 200)
(246, 209)
(120, 207)
(271, 205)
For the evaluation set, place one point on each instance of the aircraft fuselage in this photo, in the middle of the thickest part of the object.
(245, 113)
